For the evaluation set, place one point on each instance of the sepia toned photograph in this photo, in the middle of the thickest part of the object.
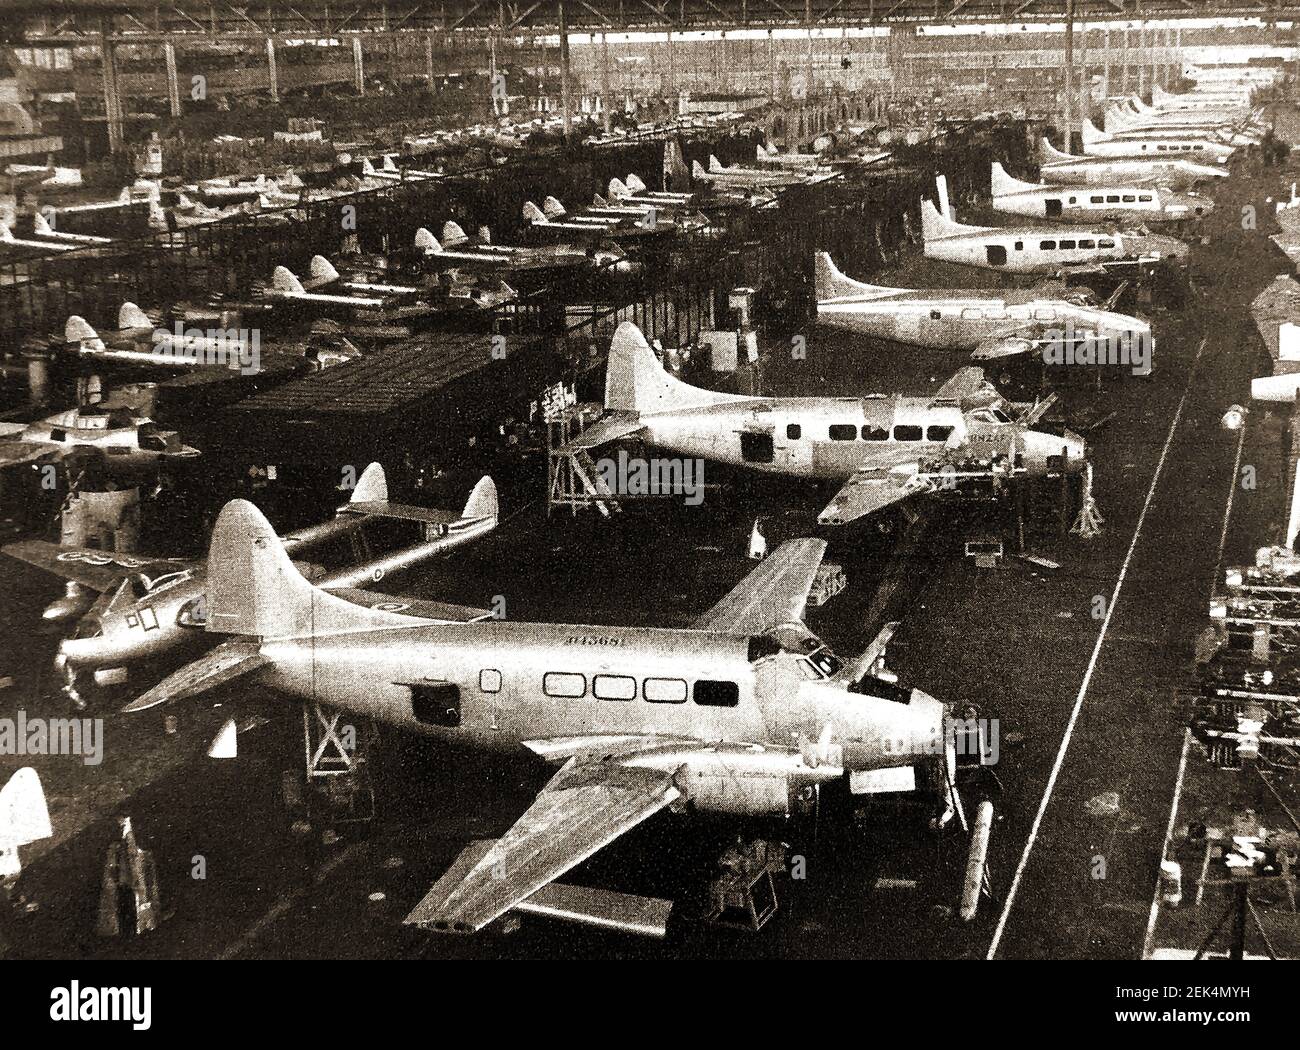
(705, 480)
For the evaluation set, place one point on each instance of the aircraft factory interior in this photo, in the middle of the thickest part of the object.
(704, 481)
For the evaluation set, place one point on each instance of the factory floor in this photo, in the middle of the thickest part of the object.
(1082, 666)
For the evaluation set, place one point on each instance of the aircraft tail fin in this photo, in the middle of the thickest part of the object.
(482, 502)
(131, 316)
(323, 270)
(41, 225)
(77, 330)
(283, 280)
(255, 589)
(635, 381)
(945, 204)
(6, 234)
(714, 163)
(552, 208)
(935, 227)
(366, 167)
(372, 486)
(1048, 154)
(452, 235)
(426, 241)
(618, 190)
(1091, 133)
(485, 235)
(675, 173)
(634, 184)
(832, 284)
(533, 213)
(1003, 184)
(697, 170)
(599, 201)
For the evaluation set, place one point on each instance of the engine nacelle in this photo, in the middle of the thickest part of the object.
(753, 782)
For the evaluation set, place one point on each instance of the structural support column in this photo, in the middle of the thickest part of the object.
(672, 75)
(358, 67)
(428, 58)
(1142, 58)
(1105, 66)
(771, 67)
(272, 74)
(112, 100)
(1125, 90)
(173, 79)
(605, 113)
(564, 72)
(1068, 129)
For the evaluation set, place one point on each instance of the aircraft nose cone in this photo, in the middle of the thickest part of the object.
(1076, 450)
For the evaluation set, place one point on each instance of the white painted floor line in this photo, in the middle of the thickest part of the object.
(1092, 665)
(1164, 849)
(1147, 943)
(283, 903)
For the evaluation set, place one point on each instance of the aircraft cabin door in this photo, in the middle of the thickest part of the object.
(757, 446)
(997, 254)
(1053, 206)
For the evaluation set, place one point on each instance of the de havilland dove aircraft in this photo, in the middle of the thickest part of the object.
(41, 228)
(754, 178)
(125, 442)
(991, 324)
(1040, 249)
(147, 607)
(745, 713)
(1097, 143)
(650, 222)
(884, 449)
(138, 342)
(1126, 203)
(1173, 171)
(7, 239)
(456, 249)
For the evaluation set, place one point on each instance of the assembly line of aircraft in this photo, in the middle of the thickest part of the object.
(148, 607)
(745, 712)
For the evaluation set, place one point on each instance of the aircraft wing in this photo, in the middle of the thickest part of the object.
(609, 428)
(229, 660)
(1003, 345)
(97, 569)
(583, 808)
(16, 453)
(774, 593)
(413, 606)
(872, 489)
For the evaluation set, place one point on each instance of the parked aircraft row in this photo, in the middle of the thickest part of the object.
(148, 607)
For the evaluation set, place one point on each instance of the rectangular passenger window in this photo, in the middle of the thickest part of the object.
(935, 315)
(1087, 243)
(937, 433)
(1145, 198)
(1105, 242)
(1067, 246)
(1098, 200)
(907, 432)
(1129, 198)
(843, 432)
(1046, 246)
(793, 431)
(873, 433)
(562, 683)
(613, 687)
(1112, 198)
(664, 690)
(489, 681)
(717, 694)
